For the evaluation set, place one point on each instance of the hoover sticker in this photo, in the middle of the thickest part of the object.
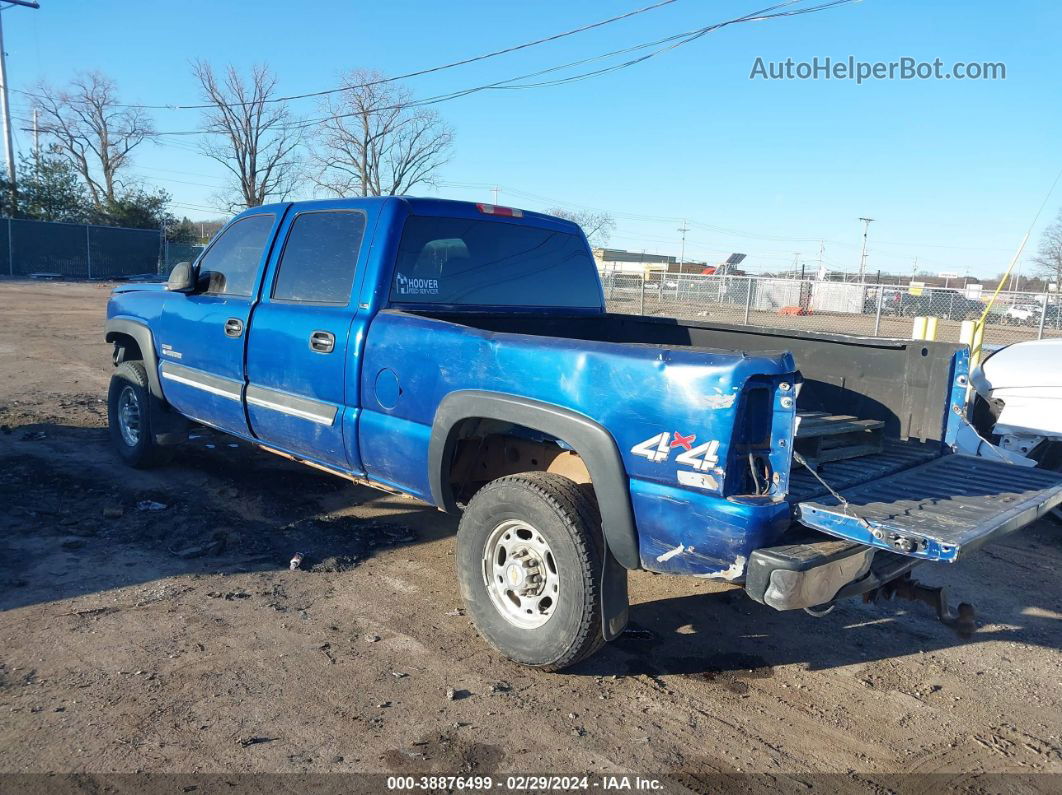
(408, 286)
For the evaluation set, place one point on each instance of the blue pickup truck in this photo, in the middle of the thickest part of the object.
(462, 353)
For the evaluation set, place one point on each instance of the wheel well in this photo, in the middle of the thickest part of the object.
(125, 347)
(562, 429)
(487, 449)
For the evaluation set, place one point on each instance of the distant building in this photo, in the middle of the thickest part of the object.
(615, 260)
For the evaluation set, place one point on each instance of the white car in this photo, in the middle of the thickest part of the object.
(1020, 399)
(1022, 314)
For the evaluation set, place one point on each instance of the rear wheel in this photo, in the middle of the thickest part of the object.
(529, 561)
(129, 417)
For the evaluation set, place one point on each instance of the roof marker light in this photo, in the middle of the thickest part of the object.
(493, 209)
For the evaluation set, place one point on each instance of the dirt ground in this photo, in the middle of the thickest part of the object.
(135, 637)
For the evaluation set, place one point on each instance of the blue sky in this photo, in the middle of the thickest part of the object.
(952, 171)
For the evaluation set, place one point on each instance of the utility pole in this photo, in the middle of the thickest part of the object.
(495, 190)
(682, 252)
(796, 261)
(5, 107)
(36, 138)
(164, 248)
(863, 256)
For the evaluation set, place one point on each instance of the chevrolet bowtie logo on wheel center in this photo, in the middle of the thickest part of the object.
(515, 575)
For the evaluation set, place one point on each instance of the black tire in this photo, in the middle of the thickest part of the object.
(984, 417)
(130, 383)
(566, 516)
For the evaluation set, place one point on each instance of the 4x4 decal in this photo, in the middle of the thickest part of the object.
(703, 457)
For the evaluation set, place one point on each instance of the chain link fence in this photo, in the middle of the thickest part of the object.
(172, 253)
(870, 310)
(86, 251)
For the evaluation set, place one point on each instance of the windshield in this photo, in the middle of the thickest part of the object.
(492, 263)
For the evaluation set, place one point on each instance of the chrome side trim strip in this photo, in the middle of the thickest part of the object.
(189, 376)
(304, 408)
(294, 405)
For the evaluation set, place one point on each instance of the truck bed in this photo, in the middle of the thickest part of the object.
(658, 384)
(896, 457)
(903, 383)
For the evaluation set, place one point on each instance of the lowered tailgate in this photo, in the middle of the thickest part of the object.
(938, 509)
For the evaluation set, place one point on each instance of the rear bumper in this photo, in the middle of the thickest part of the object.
(813, 572)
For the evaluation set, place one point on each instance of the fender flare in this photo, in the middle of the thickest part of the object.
(140, 332)
(589, 439)
(170, 427)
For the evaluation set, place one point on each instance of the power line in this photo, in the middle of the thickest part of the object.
(185, 182)
(621, 215)
(511, 84)
(677, 40)
(699, 245)
(418, 72)
(179, 171)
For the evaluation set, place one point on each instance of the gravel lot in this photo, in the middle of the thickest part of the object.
(177, 640)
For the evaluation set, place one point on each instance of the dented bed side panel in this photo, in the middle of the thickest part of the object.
(683, 532)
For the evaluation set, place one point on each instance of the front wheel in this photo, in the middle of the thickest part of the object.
(529, 560)
(129, 417)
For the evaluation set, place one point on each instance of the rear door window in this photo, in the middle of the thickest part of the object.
(492, 263)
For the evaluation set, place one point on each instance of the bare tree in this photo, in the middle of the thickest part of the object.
(1048, 258)
(374, 142)
(598, 226)
(93, 131)
(249, 133)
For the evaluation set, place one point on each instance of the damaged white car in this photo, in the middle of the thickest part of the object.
(1018, 401)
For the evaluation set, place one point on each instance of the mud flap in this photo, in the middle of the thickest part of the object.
(169, 427)
(937, 510)
(615, 605)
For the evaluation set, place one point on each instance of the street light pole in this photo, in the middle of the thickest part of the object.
(5, 107)
(863, 256)
(682, 252)
(9, 151)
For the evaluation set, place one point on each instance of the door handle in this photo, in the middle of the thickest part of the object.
(322, 341)
(233, 327)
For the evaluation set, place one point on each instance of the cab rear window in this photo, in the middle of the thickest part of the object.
(490, 263)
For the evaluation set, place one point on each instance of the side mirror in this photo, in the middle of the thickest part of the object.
(182, 278)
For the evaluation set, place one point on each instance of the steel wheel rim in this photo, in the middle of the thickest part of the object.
(520, 574)
(129, 416)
